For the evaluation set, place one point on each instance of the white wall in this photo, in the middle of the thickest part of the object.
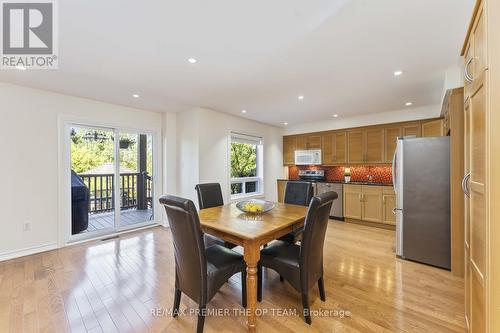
(188, 146)
(453, 78)
(29, 153)
(203, 146)
(407, 114)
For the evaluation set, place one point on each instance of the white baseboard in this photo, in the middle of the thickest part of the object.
(27, 251)
(52, 246)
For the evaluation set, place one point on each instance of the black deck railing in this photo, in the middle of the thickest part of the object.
(135, 191)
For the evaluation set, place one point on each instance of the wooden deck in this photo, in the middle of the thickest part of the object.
(100, 221)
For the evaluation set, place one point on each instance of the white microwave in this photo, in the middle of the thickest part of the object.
(308, 157)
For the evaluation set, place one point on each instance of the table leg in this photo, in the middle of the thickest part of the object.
(252, 257)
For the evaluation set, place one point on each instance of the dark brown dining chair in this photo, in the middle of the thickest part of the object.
(210, 195)
(301, 265)
(297, 193)
(199, 272)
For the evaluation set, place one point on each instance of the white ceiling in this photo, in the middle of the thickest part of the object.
(256, 55)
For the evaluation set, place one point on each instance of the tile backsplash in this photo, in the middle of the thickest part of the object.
(379, 174)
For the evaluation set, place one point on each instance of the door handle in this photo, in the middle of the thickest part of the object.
(468, 77)
(466, 184)
(394, 171)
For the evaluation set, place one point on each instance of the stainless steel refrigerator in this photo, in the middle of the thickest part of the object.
(421, 172)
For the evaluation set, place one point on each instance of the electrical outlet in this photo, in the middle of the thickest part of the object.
(26, 226)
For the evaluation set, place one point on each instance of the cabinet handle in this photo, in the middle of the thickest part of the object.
(360, 197)
(466, 184)
(468, 77)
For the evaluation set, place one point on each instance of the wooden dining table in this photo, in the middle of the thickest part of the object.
(251, 232)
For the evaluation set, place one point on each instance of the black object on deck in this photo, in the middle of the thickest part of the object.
(79, 204)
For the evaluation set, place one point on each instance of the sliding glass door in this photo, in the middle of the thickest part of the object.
(111, 180)
(136, 179)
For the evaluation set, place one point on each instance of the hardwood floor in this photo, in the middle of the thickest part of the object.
(126, 285)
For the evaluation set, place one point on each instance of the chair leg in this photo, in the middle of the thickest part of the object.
(281, 279)
(201, 319)
(244, 288)
(321, 285)
(307, 311)
(259, 283)
(177, 302)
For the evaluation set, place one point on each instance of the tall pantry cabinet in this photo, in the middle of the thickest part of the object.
(481, 183)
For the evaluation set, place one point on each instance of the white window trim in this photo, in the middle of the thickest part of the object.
(260, 169)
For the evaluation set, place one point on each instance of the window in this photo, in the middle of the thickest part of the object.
(246, 165)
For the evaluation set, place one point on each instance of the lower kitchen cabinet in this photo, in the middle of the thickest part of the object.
(389, 203)
(369, 203)
(352, 202)
(371, 199)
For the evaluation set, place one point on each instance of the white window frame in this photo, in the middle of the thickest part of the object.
(259, 141)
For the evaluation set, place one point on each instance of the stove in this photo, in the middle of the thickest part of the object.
(312, 175)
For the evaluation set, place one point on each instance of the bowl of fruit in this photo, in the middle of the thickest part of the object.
(255, 206)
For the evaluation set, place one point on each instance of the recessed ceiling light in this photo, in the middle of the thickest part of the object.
(243, 111)
(285, 123)
(21, 67)
(335, 115)
(398, 73)
(136, 96)
(300, 97)
(192, 60)
(408, 103)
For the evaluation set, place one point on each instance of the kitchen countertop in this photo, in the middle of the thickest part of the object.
(342, 182)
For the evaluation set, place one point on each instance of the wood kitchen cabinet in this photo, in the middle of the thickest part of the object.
(481, 56)
(371, 200)
(366, 146)
(352, 202)
(307, 142)
(453, 115)
(334, 148)
(362, 145)
(412, 130)
(374, 145)
(389, 204)
(433, 128)
(356, 146)
(369, 203)
(289, 146)
(391, 137)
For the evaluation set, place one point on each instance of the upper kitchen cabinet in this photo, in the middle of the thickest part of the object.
(334, 148)
(374, 145)
(366, 145)
(289, 146)
(412, 130)
(362, 145)
(391, 136)
(433, 128)
(307, 142)
(356, 146)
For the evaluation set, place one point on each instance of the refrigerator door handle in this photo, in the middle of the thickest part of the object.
(394, 170)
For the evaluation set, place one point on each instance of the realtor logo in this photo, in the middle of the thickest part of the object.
(28, 34)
